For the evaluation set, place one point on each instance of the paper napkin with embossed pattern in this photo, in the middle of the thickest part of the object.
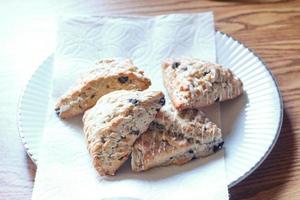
(65, 170)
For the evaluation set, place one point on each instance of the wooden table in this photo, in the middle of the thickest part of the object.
(272, 30)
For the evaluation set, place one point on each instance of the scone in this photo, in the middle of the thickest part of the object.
(112, 126)
(108, 75)
(176, 138)
(192, 83)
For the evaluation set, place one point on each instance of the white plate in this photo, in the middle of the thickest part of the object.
(253, 131)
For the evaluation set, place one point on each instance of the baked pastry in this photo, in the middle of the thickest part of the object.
(108, 75)
(192, 83)
(175, 138)
(115, 122)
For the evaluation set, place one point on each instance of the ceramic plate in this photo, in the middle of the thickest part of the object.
(250, 131)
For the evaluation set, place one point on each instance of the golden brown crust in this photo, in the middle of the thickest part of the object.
(108, 75)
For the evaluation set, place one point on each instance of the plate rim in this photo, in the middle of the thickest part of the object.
(31, 154)
(243, 176)
(278, 131)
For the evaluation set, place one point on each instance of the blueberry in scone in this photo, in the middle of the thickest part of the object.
(112, 126)
(193, 83)
(107, 76)
(175, 138)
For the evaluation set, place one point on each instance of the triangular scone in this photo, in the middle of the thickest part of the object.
(175, 138)
(192, 83)
(108, 75)
(115, 122)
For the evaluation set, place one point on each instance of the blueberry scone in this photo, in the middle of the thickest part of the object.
(193, 83)
(175, 138)
(107, 75)
(112, 126)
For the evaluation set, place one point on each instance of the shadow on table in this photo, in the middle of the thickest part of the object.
(274, 171)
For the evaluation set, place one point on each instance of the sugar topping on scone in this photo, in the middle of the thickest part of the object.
(193, 83)
(107, 75)
(176, 138)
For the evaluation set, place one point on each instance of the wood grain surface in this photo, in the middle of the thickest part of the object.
(272, 30)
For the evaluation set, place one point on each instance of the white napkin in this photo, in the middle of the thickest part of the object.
(65, 170)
